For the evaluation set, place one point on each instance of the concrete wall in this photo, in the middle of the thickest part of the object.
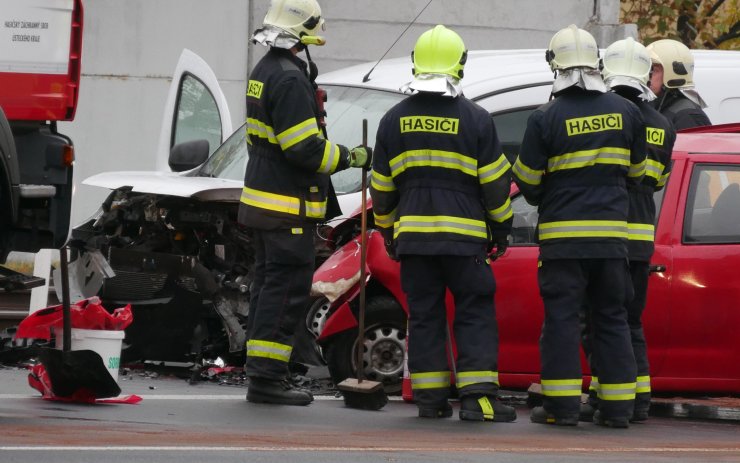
(131, 48)
(359, 31)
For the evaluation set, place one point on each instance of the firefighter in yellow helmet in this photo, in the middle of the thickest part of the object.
(673, 82)
(287, 191)
(440, 188)
(579, 153)
(626, 70)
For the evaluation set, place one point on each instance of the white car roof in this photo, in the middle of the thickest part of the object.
(486, 72)
(492, 71)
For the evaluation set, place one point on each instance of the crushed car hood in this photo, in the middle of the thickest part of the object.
(171, 184)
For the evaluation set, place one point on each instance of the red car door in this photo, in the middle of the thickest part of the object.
(703, 348)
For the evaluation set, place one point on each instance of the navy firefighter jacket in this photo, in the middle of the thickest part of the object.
(578, 154)
(660, 138)
(440, 181)
(287, 181)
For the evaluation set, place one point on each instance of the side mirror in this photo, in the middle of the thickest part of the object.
(188, 155)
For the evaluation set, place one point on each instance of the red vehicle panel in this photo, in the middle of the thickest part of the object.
(693, 302)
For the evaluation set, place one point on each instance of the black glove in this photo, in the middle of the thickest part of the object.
(390, 243)
(361, 156)
(497, 247)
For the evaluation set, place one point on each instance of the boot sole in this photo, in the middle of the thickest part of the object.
(256, 397)
(616, 423)
(434, 413)
(557, 421)
(468, 415)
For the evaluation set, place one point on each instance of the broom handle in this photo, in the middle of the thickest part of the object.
(66, 312)
(363, 257)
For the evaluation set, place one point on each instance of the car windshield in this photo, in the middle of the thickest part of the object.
(346, 107)
(230, 159)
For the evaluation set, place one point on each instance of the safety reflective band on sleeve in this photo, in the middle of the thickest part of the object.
(640, 231)
(440, 224)
(385, 221)
(259, 129)
(502, 213)
(315, 209)
(466, 378)
(330, 160)
(586, 158)
(561, 387)
(382, 183)
(268, 349)
(654, 169)
(430, 380)
(663, 179)
(583, 229)
(526, 174)
(271, 201)
(298, 133)
(433, 158)
(493, 171)
(594, 384)
(638, 170)
(623, 391)
(643, 384)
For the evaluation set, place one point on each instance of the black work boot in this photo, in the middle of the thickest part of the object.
(540, 415)
(478, 407)
(587, 413)
(274, 391)
(611, 422)
(443, 410)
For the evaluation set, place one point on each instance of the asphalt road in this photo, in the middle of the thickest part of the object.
(178, 422)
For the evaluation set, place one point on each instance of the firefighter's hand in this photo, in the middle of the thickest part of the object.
(361, 156)
(497, 247)
(390, 249)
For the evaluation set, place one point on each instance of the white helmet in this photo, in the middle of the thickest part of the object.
(677, 62)
(572, 47)
(627, 63)
(294, 20)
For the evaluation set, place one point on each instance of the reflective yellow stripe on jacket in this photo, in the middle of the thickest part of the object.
(527, 174)
(502, 213)
(382, 183)
(654, 169)
(583, 229)
(586, 158)
(268, 349)
(493, 171)
(257, 128)
(330, 160)
(433, 158)
(641, 231)
(281, 203)
(298, 133)
(385, 221)
(430, 380)
(440, 224)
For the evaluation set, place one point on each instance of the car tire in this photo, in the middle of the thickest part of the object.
(385, 340)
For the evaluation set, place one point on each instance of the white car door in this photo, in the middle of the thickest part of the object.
(196, 109)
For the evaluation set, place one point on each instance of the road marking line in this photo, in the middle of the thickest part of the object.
(193, 397)
(370, 449)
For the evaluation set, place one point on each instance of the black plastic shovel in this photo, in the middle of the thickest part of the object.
(79, 370)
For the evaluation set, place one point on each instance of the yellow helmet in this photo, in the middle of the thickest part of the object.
(572, 47)
(677, 62)
(299, 18)
(627, 58)
(439, 51)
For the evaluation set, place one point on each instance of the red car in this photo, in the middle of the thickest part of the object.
(693, 306)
